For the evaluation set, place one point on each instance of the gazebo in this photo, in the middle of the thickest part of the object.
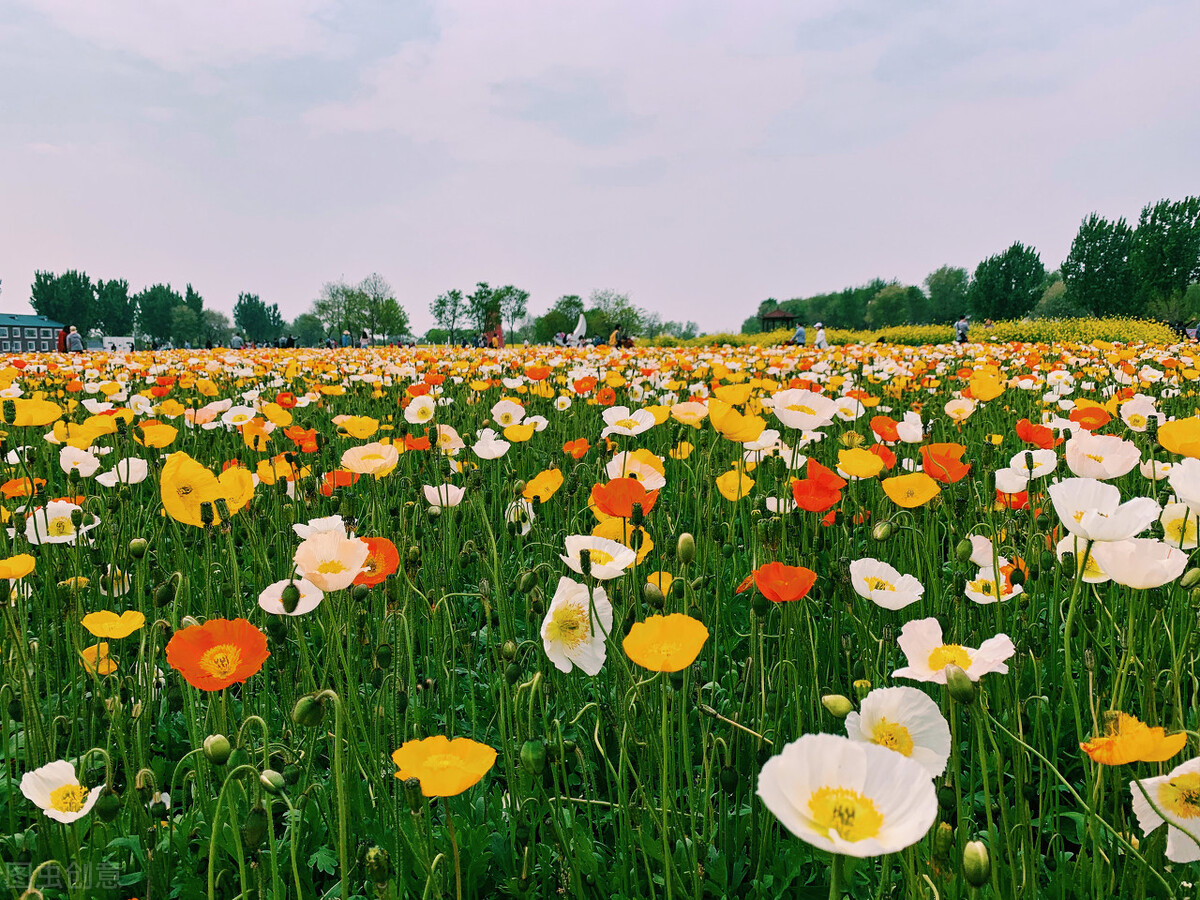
(776, 319)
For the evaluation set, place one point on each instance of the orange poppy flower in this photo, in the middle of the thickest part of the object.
(218, 653)
(584, 385)
(416, 443)
(888, 457)
(434, 378)
(537, 373)
(417, 389)
(781, 583)
(159, 391)
(616, 498)
(577, 448)
(382, 560)
(21, 487)
(1126, 740)
(286, 399)
(1038, 435)
(943, 462)
(1019, 500)
(336, 479)
(885, 427)
(606, 396)
(1090, 417)
(812, 496)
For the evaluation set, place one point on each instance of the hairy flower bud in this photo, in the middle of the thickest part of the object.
(685, 548)
(977, 865)
(217, 749)
(837, 705)
(962, 688)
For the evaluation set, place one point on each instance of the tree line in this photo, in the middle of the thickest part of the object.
(1148, 269)
(462, 316)
(160, 314)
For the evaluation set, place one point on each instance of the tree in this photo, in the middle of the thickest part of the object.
(115, 309)
(68, 298)
(611, 310)
(154, 307)
(339, 307)
(1098, 271)
(1056, 303)
(185, 325)
(513, 303)
(889, 306)
(947, 294)
(483, 307)
(307, 329)
(193, 301)
(448, 310)
(258, 321)
(379, 312)
(215, 327)
(1166, 249)
(562, 316)
(1008, 285)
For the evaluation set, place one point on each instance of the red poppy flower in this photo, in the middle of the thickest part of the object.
(537, 373)
(781, 583)
(747, 583)
(159, 391)
(382, 560)
(618, 496)
(218, 653)
(585, 385)
(824, 476)
(812, 496)
(417, 389)
(434, 378)
(943, 462)
(1019, 500)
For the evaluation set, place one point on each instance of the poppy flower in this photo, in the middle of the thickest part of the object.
(286, 399)
(906, 721)
(1090, 417)
(21, 487)
(606, 396)
(336, 479)
(733, 425)
(382, 560)
(859, 463)
(416, 443)
(543, 485)
(665, 643)
(96, 660)
(885, 428)
(444, 767)
(734, 484)
(16, 567)
(1126, 739)
(584, 385)
(928, 656)
(1181, 436)
(912, 490)
(943, 462)
(616, 498)
(888, 457)
(577, 448)
(56, 790)
(1038, 435)
(781, 583)
(813, 496)
(570, 635)
(1174, 798)
(107, 624)
(218, 653)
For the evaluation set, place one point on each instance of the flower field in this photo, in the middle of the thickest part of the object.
(873, 621)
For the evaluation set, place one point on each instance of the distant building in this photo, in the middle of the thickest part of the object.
(776, 319)
(28, 334)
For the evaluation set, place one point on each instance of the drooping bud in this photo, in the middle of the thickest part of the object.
(217, 749)
(254, 827)
(962, 688)
(138, 547)
(963, 551)
(636, 516)
(273, 782)
(412, 794)
(837, 705)
(883, 530)
(533, 756)
(308, 712)
(1190, 579)
(943, 842)
(977, 865)
(508, 650)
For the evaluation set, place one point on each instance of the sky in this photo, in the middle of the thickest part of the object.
(700, 156)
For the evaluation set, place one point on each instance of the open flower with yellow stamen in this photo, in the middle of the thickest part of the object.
(218, 653)
(1177, 798)
(54, 523)
(928, 655)
(847, 797)
(988, 587)
(330, 560)
(576, 627)
(883, 585)
(55, 788)
(609, 559)
(906, 720)
(1093, 510)
(1127, 739)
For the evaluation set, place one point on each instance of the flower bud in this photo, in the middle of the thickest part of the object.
(138, 547)
(308, 712)
(217, 749)
(1190, 578)
(636, 516)
(291, 597)
(508, 650)
(412, 794)
(977, 865)
(165, 592)
(585, 562)
(652, 595)
(882, 530)
(862, 687)
(379, 865)
(963, 551)
(108, 807)
(685, 548)
(533, 756)
(359, 593)
(383, 656)
(837, 705)
(962, 688)
(254, 827)
(943, 842)
(273, 782)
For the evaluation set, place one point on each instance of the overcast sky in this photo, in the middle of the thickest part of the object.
(700, 156)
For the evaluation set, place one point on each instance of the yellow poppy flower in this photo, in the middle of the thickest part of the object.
(734, 485)
(912, 490)
(18, 566)
(682, 450)
(96, 660)
(107, 624)
(859, 463)
(543, 485)
(665, 643)
(444, 767)
(518, 434)
(361, 427)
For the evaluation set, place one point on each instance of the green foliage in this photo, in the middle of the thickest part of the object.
(1057, 303)
(1166, 248)
(68, 298)
(513, 303)
(155, 306)
(256, 320)
(947, 288)
(483, 307)
(1098, 271)
(185, 325)
(307, 329)
(562, 316)
(215, 327)
(115, 309)
(1008, 285)
(448, 309)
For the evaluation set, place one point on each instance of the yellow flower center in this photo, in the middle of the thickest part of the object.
(1137, 421)
(569, 625)
(849, 813)
(60, 526)
(600, 558)
(1179, 530)
(949, 655)
(222, 660)
(1181, 796)
(1095, 457)
(878, 584)
(69, 798)
(807, 410)
(894, 736)
(1092, 569)
(984, 586)
(506, 419)
(424, 411)
(626, 423)
(331, 567)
